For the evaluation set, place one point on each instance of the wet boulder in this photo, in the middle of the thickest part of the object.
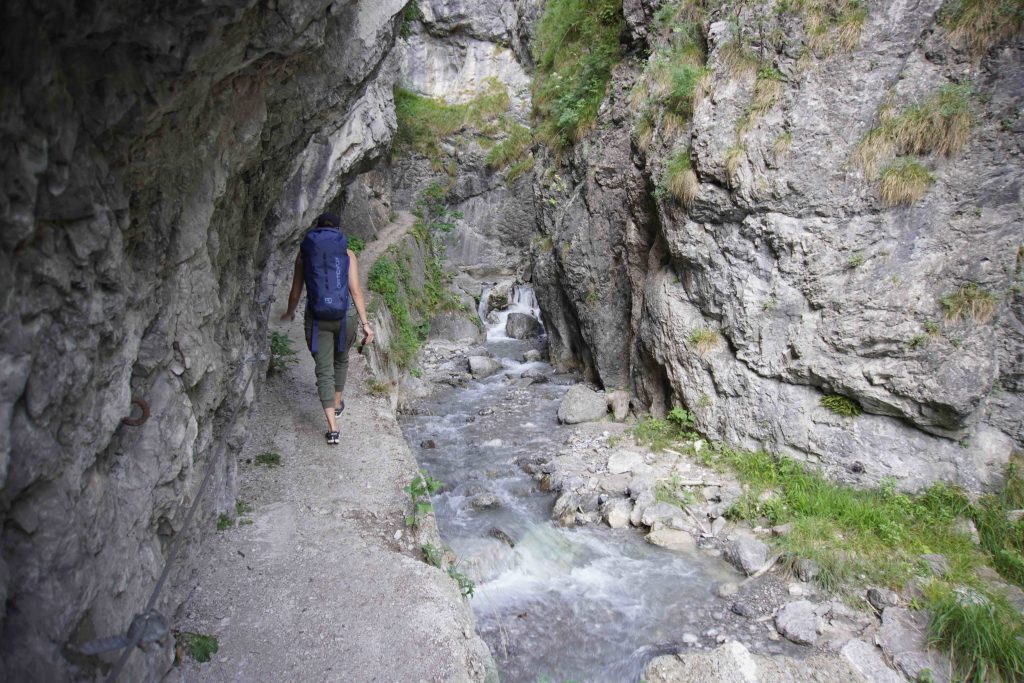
(581, 404)
(483, 366)
(522, 326)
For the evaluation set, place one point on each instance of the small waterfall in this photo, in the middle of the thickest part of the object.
(481, 308)
(521, 300)
(523, 296)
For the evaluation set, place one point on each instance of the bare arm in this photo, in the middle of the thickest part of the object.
(357, 297)
(296, 293)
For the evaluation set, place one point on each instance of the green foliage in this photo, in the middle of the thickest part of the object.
(969, 301)
(904, 181)
(242, 507)
(575, 48)
(412, 13)
(390, 277)
(466, 585)
(356, 244)
(269, 459)
(856, 261)
(281, 353)
(511, 149)
(660, 434)
(432, 554)
(671, 492)
(519, 168)
(199, 646)
(841, 405)
(1001, 538)
(224, 522)
(982, 631)
(420, 489)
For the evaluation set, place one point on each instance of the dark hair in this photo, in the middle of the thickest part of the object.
(328, 220)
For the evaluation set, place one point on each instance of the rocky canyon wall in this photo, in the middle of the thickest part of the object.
(162, 163)
(744, 261)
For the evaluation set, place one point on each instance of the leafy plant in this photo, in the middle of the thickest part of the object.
(412, 13)
(432, 554)
(970, 300)
(356, 244)
(466, 585)
(420, 489)
(659, 434)
(224, 522)
(199, 646)
(269, 459)
(856, 261)
(575, 47)
(242, 507)
(841, 405)
(281, 353)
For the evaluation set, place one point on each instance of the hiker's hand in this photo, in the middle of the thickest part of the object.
(368, 334)
(288, 316)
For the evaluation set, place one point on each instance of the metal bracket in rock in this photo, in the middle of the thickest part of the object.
(141, 419)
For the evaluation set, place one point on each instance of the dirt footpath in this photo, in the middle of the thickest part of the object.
(325, 582)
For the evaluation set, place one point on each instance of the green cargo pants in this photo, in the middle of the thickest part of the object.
(331, 366)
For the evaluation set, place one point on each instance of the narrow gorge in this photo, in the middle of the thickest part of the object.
(702, 321)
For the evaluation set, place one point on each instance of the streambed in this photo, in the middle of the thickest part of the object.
(582, 604)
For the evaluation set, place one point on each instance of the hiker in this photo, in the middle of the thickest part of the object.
(334, 310)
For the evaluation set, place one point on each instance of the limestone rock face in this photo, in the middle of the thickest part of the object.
(812, 283)
(161, 168)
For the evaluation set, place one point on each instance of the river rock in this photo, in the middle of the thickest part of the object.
(485, 501)
(500, 535)
(881, 598)
(798, 622)
(616, 512)
(664, 514)
(535, 375)
(732, 662)
(532, 356)
(483, 366)
(640, 505)
(618, 402)
(522, 326)
(624, 461)
(747, 554)
(672, 539)
(581, 404)
(902, 638)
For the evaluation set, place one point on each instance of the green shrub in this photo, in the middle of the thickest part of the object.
(420, 489)
(660, 434)
(198, 646)
(840, 405)
(224, 522)
(412, 13)
(575, 48)
(269, 459)
(356, 244)
(281, 353)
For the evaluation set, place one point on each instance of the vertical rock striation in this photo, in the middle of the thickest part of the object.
(162, 164)
(783, 274)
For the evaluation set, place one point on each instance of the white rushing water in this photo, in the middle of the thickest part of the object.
(580, 604)
(522, 300)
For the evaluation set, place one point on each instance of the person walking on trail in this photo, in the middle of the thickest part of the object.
(334, 310)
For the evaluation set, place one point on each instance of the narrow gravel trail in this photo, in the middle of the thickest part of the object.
(319, 586)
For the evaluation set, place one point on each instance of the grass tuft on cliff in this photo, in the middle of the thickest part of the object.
(981, 24)
(940, 125)
(680, 177)
(829, 24)
(904, 181)
(576, 46)
(840, 405)
(969, 301)
(512, 149)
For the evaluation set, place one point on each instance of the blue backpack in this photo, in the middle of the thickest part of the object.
(325, 268)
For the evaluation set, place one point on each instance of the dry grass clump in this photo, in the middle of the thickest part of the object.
(681, 179)
(970, 300)
(705, 340)
(733, 158)
(782, 143)
(939, 125)
(904, 181)
(767, 90)
(980, 24)
(830, 24)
